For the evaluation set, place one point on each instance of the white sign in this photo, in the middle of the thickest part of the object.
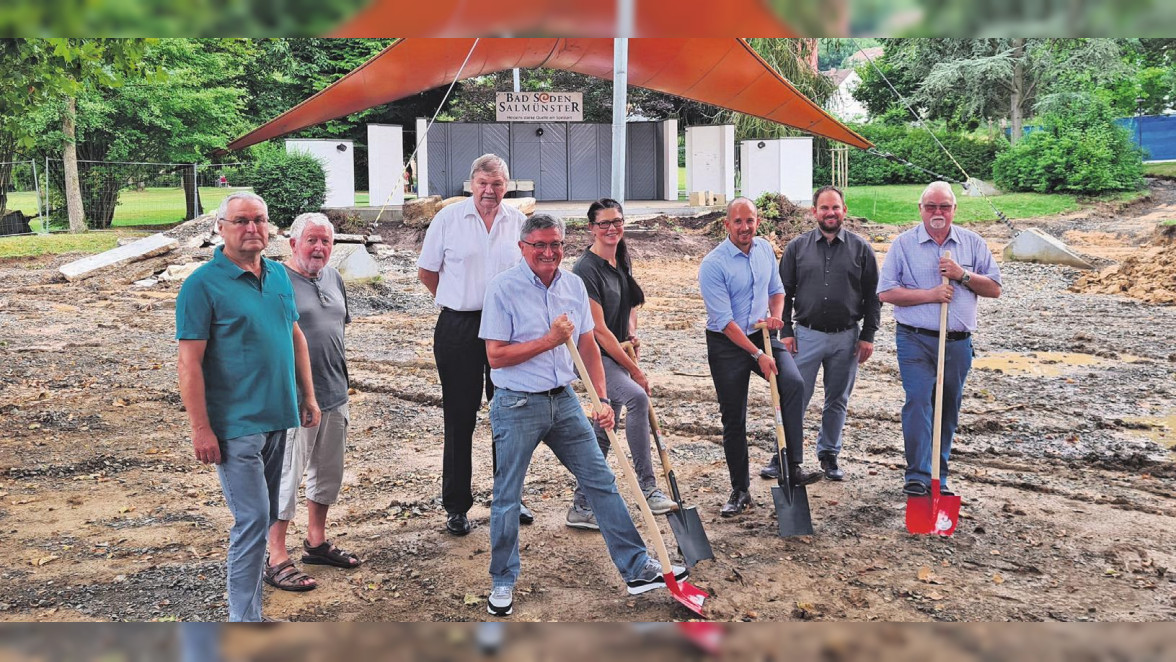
(539, 106)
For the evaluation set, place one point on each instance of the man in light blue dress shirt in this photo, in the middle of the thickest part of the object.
(911, 279)
(529, 313)
(741, 287)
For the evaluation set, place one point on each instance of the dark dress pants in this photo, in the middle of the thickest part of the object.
(730, 369)
(465, 375)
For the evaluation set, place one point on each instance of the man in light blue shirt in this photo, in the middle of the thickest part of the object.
(911, 279)
(741, 287)
(530, 311)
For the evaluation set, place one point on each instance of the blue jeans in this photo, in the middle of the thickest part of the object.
(200, 642)
(917, 356)
(836, 354)
(251, 475)
(519, 422)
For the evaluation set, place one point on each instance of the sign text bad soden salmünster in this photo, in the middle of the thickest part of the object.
(539, 106)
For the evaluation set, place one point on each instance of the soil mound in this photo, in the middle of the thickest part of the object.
(1146, 276)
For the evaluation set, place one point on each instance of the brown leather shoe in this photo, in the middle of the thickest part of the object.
(801, 477)
(739, 501)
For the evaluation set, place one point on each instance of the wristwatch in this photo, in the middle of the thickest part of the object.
(965, 278)
(757, 355)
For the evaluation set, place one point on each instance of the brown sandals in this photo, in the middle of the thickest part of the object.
(286, 577)
(328, 554)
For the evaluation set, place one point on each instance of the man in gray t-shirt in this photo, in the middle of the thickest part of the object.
(316, 452)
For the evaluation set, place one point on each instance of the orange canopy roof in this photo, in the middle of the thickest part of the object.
(719, 71)
(651, 18)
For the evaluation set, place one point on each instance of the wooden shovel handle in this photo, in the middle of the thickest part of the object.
(626, 470)
(780, 439)
(654, 427)
(937, 422)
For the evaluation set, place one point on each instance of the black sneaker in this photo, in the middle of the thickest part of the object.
(501, 601)
(457, 524)
(525, 514)
(651, 577)
(914, 488)
(829, 466)
(800, 477)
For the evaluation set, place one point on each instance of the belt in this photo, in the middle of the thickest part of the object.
(460, 312)
(951, 335)
(550, 393)
(830, 329)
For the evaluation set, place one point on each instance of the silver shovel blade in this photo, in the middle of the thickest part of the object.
(792, 515)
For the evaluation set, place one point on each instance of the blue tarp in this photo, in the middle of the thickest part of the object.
(1156, 133)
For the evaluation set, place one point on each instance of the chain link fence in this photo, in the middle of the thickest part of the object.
(138, 194)
(20, 197)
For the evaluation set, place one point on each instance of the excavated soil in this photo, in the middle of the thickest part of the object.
(1066, 472)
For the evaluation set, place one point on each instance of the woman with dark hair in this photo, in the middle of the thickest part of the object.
(614, 296)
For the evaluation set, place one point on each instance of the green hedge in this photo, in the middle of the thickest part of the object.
(1078, 149)
(914, 144)
(291, 184)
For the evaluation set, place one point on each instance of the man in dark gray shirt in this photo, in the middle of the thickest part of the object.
(316, 451)
(830, 275)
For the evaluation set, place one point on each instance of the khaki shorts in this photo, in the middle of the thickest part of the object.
(317, 452)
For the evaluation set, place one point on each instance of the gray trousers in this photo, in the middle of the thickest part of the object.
(624, 393)
(837, 354)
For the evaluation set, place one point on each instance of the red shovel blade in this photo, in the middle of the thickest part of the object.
(686, 593)
(933, 514)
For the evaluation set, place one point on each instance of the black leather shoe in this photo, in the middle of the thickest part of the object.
(457, 524)
(525, 514)
(801, 477)
(739, 501)
(829, 466)
(771, 470)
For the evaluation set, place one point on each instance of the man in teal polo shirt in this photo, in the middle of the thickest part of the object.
(240, 353)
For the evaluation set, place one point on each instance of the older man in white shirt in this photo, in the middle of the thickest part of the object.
(465, 246)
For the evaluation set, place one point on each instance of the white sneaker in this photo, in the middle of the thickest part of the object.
(651, 577)
(501, 602)
(659, 503)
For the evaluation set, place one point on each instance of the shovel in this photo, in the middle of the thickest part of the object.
(685, 522)
(936, 512)
(689, 595)
(792, 507)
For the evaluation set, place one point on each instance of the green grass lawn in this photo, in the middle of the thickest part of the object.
(1161, 169)
(152, 206)
(898, 204)
(87, 242)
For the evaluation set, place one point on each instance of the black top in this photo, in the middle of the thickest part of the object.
(830, 286)
(608, 287)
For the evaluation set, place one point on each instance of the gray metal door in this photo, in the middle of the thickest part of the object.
(438, 146)
(539, 152)
(589, 161)
(641, 157)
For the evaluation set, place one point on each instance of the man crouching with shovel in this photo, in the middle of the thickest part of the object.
(530, 311)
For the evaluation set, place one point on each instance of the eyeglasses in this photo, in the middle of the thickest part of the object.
(244, 222)
(616, 223)
(555, 246)
(947, 207)
(321, 296)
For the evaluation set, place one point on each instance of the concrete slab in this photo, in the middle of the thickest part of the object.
(354, 262)
(156, 244)
(1033, 245)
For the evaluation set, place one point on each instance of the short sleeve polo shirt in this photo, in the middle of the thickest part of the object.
(249, 384)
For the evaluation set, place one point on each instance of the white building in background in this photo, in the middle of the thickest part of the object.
(842, 104)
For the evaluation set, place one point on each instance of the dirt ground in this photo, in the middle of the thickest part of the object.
(1063, 460)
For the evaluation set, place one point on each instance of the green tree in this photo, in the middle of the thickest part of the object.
(63, 70)
(968, 81)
